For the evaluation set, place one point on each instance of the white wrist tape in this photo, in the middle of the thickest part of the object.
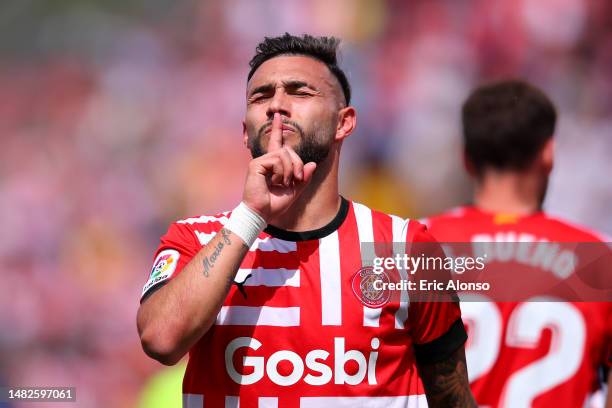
(245, 223)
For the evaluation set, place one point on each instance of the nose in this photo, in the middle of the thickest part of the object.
(279, 103)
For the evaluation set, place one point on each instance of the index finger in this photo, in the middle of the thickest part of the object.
(276, 134)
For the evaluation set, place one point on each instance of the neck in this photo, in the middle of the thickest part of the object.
(518, 193)
(319, 202)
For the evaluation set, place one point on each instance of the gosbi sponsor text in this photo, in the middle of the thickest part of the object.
(319, 368)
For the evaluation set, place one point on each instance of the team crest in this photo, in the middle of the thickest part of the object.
(365, 290)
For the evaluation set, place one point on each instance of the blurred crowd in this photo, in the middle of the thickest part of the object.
(117, 118)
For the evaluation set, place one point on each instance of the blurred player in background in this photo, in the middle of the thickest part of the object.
(262, 298)
(508, 131)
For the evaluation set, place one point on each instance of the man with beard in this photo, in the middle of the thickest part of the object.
(262, 298)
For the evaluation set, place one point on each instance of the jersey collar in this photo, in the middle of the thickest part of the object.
(318, 233)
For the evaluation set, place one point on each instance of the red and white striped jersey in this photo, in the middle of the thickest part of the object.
(294, 334)
(530, 354)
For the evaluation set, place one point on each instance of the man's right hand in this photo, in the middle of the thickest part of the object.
(172, 319)
(275, 180)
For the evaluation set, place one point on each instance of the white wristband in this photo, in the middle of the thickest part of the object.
(245, 223)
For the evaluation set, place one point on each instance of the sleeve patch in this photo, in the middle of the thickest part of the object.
(163, 268)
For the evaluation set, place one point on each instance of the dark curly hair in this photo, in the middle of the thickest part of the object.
(323, 49)
(505, 124)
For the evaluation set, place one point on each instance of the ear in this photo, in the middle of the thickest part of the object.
(547, 155)
(346, 123)
(245, 135)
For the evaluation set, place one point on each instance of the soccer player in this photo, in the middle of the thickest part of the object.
(530, 354)
(262, 298)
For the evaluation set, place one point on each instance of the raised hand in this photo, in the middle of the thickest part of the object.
(276, 179)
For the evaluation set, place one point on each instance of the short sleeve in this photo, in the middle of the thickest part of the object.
(434, 316)
(177, 247)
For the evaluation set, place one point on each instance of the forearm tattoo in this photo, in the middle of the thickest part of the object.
(209, 261)
(446, 382)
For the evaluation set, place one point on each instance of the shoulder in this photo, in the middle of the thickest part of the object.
(573, 231)
(220, 218)
(384, 226)
(390, 226)
(456, 214)
(198, 229)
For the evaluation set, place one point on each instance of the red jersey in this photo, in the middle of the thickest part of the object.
(530, 354)
(293, 333)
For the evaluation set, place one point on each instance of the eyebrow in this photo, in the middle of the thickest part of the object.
(292, 84)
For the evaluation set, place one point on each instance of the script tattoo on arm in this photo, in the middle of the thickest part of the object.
(446, 382)
(209, 261)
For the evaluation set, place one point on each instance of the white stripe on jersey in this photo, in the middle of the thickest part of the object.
(267, 244)
(193, 401)
(204, 238)
(400, 230)
(204, 219)
(259, 316)
(232, 402)
(269, 277)
(408, 401)
(267, 402)
(365, 230)
(262, 402)
(331, 291)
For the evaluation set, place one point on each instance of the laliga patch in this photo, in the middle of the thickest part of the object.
(369, 289)
(163, 268)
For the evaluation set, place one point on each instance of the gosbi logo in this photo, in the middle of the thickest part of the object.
(163, 263)
(318, 367)
(364, 288)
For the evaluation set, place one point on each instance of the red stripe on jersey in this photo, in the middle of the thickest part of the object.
(270, 259)
(262, 295)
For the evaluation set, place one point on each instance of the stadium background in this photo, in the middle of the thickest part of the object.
(119, 117)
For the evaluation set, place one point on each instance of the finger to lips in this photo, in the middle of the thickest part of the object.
(276, 134)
